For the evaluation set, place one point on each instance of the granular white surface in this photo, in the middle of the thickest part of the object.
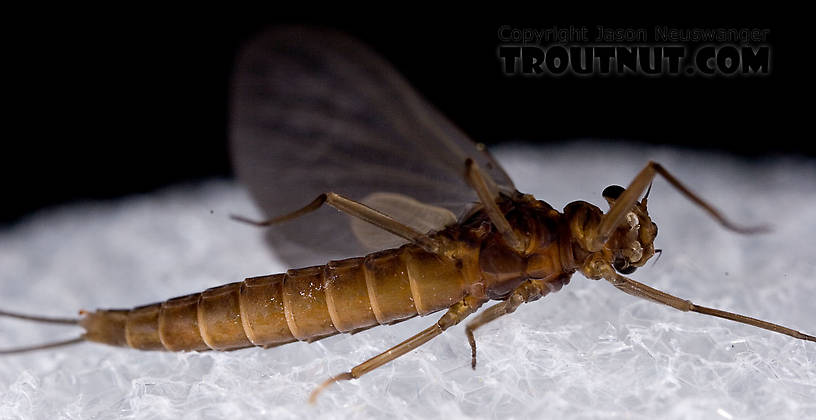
(588, 351)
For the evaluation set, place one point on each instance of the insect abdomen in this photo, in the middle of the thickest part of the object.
(303, 304)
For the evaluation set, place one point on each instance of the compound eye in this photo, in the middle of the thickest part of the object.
(623, 267)
(612, 192)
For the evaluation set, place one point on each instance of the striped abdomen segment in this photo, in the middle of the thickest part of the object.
(303, 304)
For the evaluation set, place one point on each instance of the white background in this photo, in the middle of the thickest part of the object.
(588, 351)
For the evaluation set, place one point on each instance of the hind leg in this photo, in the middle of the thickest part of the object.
(455, 314)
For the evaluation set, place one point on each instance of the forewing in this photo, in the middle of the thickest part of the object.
(315, 111)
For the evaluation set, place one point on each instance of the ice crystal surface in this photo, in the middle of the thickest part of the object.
(588, 351)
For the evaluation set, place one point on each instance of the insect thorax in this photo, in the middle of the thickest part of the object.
(547, 255)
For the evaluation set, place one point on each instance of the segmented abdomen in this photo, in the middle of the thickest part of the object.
(303, 304)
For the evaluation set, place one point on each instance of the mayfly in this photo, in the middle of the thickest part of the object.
(318, 118)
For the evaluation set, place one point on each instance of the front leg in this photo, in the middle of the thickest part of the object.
(623, 204)
(597, 268)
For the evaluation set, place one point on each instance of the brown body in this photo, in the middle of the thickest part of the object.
(316, 114)
(349, 295)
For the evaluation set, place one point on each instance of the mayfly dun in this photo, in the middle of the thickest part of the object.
(430, 220)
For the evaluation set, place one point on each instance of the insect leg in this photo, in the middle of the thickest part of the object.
(641, 290)
(623, 204)
(359, 210)
(527, 292)
(455, 314)
(487, 192)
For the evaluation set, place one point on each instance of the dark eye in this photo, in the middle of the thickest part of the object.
(613, 192)
(623, 267)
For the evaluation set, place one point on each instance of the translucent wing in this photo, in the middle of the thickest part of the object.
(316, 111)
(420, 216)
